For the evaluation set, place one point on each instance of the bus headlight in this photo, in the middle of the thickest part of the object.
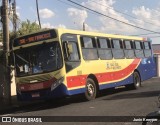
(57, 83)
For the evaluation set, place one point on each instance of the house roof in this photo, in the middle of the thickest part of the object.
(156, 48)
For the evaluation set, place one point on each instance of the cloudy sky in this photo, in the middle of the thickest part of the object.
(62, 13)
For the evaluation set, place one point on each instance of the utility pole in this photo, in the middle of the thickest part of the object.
(38, 14)
(84, 28)
(14, 16)
(5, 21)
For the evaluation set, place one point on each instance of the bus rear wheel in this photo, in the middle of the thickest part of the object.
(136, 81)
(91, 89)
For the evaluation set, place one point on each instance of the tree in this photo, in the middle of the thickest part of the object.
(26, 27)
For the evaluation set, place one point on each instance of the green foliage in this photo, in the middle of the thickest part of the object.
(26, 27)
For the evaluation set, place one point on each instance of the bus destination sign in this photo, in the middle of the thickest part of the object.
(34, 38)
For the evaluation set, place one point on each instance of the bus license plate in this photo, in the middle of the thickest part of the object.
(35, 95)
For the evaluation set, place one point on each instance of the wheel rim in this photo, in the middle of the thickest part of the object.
(90, 89)
(137, 80)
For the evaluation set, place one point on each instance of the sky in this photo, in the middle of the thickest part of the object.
(64, 14)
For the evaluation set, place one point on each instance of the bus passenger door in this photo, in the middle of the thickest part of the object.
(71, 58)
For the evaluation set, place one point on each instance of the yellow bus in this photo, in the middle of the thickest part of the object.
(62, 62)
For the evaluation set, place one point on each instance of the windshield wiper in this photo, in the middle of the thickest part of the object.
(22, 58)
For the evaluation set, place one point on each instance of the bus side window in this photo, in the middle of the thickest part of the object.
(70, 51)
(147, 49)
(139, 49)
(104, 48)
(89, 48)
(117, 49)
(129, 49)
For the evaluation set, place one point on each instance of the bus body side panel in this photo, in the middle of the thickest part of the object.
(147, 68)
(105, 78)
(77, 91)
(126, 81)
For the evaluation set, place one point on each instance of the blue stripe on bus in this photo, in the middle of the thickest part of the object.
(128, 80)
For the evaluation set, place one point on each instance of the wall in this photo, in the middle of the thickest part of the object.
(13, 85)
(2, 82)
(158, 65)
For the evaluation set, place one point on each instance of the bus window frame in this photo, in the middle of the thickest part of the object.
(51, 41)
(132, 47)
(142, 48)
(121, 47)
(78, 47)
(149, 45)
(70, 65)
(109, 47)
(93, 38)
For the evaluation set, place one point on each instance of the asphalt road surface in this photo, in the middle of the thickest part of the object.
(119, 102)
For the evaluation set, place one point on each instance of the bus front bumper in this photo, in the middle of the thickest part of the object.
(43, 94)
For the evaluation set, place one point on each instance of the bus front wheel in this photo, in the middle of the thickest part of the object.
(91, 89)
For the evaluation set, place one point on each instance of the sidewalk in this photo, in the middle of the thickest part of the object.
(17, 106)
(6, 107)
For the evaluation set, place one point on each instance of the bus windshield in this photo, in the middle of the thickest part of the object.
(41, 58)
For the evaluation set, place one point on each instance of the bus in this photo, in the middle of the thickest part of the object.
(61, 62)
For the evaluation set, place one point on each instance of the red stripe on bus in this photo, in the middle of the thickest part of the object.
(118, 75)
(75, 81)
(36, 86)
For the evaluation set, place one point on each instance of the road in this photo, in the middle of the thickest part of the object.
(119, 102)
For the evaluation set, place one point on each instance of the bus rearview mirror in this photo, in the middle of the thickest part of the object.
(70, 48)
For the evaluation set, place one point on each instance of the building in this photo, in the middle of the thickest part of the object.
(156, 52)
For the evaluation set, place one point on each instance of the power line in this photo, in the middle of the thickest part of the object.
(142, 34)
(67, 3)
(93, 1)
(113, 18)
(78, 8)
(98, 14)
(74, 6)
(153, 36)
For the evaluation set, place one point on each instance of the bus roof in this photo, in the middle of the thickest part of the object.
(62, 30)
(95, 33)
(53, 33)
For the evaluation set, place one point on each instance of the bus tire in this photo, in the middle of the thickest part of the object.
(136, 80)
(91, 89)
